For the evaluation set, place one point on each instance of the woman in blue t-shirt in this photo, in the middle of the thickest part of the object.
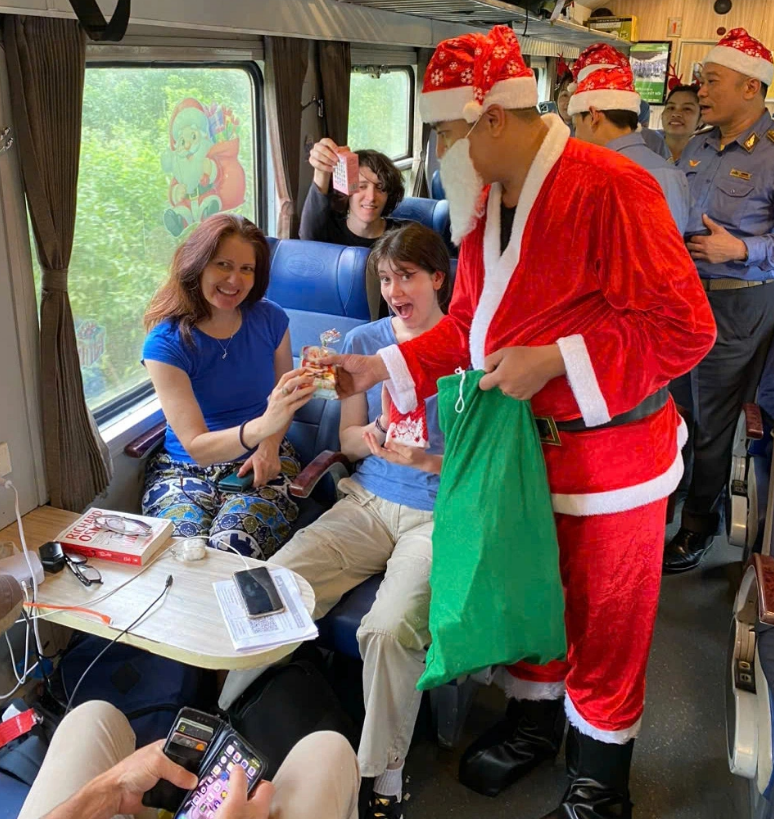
(385, 521)
(218, 354)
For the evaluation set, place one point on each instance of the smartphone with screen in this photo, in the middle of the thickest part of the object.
(214, 779)
(192, 735)
(548, 107)
(258, 592)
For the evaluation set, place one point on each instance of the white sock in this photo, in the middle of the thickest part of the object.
(390, 783)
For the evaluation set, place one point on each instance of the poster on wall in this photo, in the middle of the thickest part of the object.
(650, 63)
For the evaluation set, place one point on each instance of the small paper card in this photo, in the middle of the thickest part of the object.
(346, 174)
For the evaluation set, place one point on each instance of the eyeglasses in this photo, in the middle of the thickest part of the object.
(123, 526)
(77, 564)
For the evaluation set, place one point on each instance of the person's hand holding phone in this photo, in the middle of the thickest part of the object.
(238, 805)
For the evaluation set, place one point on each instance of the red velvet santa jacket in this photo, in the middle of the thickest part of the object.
(596, 265)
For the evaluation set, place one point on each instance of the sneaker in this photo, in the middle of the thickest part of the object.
(384, 807)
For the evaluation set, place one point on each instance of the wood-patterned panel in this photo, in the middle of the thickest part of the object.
(652, 15)
(701, 23)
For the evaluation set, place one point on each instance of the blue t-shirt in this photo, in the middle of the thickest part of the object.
(228, 390)
(399, 484)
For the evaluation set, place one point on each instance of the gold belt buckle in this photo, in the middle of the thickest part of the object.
(547, 431)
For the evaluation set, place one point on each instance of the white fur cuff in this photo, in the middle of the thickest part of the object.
(401, 385)
(518, 689)
(583, 380)
(611, 737)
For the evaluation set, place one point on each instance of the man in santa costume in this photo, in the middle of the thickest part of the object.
(591, 328)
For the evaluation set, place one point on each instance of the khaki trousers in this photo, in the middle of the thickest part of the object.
(319, 777)
(359, 537)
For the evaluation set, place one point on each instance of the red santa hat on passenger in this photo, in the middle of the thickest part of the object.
(743, 53)
(607, 89)
(591, 59)
(468, 74)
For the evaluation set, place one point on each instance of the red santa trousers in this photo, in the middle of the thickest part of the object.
(611, 572)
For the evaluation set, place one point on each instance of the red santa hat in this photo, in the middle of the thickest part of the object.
(743, 53)
(591, 59)
(188, 112)
(607, 89)
(468, 74)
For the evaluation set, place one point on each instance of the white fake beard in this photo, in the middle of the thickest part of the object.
(463, 187)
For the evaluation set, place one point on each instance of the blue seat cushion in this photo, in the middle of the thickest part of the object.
(338, 629)
(12, 796)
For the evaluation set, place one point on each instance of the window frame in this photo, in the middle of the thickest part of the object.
(405, 160)
(119, 406)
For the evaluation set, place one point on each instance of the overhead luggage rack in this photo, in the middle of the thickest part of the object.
(487, 13)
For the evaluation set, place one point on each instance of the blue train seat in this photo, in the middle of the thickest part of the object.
(429, 212)
(436, 186)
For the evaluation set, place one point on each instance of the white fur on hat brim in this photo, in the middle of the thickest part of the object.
(448, 104)
(746, 64)
(604, 100)
(590, 69)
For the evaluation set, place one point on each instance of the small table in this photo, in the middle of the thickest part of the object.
(188, 627)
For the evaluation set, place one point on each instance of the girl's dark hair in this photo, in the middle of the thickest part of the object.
(690, 89)
(414, 244)
(180, 298)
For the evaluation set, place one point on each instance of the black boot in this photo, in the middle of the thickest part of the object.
(685, 551)
(600, 790)
(571, 752)
(530, 733)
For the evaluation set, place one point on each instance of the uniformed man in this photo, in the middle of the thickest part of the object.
(730, 235)
(604, 111)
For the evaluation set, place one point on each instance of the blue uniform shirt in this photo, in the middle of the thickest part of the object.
(735, 188)
(228, 390)
(671, 179)
(403, 485)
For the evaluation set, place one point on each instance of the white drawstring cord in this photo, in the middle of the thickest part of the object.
(460, 405)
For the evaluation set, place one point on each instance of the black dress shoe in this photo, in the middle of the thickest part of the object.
(686, 550)
(531, 733)
(600, 790)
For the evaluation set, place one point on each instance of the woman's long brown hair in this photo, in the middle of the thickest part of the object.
(180, 298)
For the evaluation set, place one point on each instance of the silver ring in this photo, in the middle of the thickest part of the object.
(285, 391)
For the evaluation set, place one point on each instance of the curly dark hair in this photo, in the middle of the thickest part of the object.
(386, 172)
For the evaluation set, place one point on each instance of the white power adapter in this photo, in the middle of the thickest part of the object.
(17, 566)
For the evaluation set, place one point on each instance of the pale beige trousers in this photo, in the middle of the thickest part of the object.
(319, 777)
(361, 536)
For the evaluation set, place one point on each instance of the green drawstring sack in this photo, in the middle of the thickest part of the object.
(497, 595)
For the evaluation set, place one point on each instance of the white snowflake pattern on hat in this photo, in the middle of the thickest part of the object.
(437, 77)
(743, 53)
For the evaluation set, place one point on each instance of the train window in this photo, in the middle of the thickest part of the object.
(162, 148)
(381, 108)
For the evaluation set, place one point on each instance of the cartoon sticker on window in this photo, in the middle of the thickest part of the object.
(203, 160)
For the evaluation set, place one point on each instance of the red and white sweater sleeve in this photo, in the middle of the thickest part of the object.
(660, 325)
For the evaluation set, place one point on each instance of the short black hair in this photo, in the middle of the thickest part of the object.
(387, 174)
(680, 89)
(621, 119)
(764, 90)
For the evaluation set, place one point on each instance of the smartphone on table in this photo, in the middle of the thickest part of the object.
(258, 592)
(214, 778)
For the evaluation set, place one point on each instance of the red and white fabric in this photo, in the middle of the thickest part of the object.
(591, 59)
(468, 74)
(743, 53)
(607, 89)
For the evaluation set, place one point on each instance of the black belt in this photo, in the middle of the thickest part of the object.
(549, 430)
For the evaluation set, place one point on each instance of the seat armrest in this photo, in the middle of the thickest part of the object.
(753, 421)
(764, 578)
(327, 462)
(144, 444)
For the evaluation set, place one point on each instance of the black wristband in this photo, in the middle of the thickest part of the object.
(378, 425)
(242, 436)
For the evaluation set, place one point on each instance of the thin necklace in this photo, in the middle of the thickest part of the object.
(225, 349)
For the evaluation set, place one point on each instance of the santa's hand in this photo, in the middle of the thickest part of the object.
(356, 373)
(520, 372)
(404, 455)
(719, 247)
(179, 193)
(325, 155)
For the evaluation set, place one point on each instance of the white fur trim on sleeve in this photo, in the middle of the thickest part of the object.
(401, 385)
(611, 737)
(583, 380)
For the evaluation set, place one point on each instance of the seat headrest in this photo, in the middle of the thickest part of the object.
(436, 186)
(318, 277)
(431, 213)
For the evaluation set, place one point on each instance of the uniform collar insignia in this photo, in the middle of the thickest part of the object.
(694, 162)
(770, 134)
(750, 143)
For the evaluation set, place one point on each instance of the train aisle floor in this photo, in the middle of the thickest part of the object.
(680, 769)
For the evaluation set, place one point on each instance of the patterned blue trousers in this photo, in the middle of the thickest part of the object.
(256, 522)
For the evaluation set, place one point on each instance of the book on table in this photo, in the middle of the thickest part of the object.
(90, 536)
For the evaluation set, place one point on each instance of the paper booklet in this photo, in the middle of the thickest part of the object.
(293, 625)
(87, 538)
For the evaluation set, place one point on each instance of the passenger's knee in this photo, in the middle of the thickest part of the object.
(407, 630)
(101, 714)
